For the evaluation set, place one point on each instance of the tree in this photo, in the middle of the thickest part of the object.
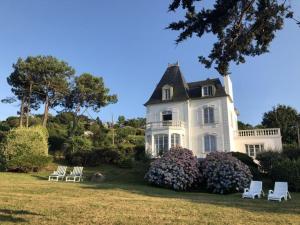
(242, 27)
(53, 83)
(88, 91)
(22, 80)
(121, 121)
(286, 118)
(244, 126)
(40, 79)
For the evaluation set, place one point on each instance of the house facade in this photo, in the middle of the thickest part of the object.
(200, 116)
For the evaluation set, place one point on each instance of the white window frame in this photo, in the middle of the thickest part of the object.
(206, 90)
(210, 119)
(157, 145)
(212, 147)
(167, 93)
(256, 148)
(175, 140)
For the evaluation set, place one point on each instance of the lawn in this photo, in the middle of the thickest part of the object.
(125, 199)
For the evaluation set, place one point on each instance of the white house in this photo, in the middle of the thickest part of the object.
(200, 116)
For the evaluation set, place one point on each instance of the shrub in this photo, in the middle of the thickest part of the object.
(77, 150)
(244, 158)
(26, 149)
(292, 153)
(79, 144)
(126, 162)
(176, 169)
(104, 155)
(267, 160)
(289, 171)
(224, 173)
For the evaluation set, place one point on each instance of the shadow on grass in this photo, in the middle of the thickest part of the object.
(230, 200)
(9, 215)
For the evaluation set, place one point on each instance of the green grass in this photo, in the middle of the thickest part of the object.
(124, 198)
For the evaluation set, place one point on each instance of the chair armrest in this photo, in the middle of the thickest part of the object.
(289, 195)
(246, 190)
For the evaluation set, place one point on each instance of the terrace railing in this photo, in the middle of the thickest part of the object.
(165, 124)
(274, 132)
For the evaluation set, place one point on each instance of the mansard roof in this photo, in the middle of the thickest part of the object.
(181, 89)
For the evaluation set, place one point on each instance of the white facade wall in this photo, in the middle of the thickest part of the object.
(191, 113)
(269, 143)
(192, 129)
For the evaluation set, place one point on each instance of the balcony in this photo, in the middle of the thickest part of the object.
(273, 132)
(174, 124)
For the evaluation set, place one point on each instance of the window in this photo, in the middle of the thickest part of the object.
(209, 116)
(175, 140)
(161, 143)
(167, 92)
(207, 91)
(210, 143)
(167, 115)
(253, 150)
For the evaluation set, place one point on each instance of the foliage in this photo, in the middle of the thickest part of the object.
(243, 28)
(126, 162)
(289, 171)
(79, 144)
(176, 169)
(244, 126)
(224, 173)
(267, 160)
(286, 118)
(26, 149)
(244, 158)
(40, 79)
(292, 154)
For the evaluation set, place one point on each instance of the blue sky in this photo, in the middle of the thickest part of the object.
(125, 42)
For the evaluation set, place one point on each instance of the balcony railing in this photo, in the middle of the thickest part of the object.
(165, 124)
(259, 132)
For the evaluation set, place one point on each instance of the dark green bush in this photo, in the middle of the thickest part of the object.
(244, 158)
(126, 162)
(26, 149)
(287, 170)
(268, 159)
(56, 143)
(292, 153)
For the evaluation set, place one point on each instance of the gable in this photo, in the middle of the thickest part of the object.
(182, 91)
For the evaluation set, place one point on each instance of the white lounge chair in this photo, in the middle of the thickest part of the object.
(59, 173)
(280, 192)
(255, 190)
(75, 175)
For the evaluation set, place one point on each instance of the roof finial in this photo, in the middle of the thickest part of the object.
(173, 64)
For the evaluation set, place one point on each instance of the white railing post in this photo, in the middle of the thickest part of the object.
(259, 132)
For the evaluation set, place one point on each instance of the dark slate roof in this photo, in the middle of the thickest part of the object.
(182, 90)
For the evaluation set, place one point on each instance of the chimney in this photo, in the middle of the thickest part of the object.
(228, 86)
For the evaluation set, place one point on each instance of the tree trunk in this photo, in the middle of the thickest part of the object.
(22, 111)
(28, 105)
(46, 110)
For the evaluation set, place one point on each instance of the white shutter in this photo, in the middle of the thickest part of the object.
(216, 114)
(157, 116)
(199, 116)
(175, 115)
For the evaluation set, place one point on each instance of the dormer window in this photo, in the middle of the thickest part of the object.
(167, 92)
(208, 90)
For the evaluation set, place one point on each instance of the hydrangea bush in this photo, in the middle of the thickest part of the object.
(176, 169)
(225, 173)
